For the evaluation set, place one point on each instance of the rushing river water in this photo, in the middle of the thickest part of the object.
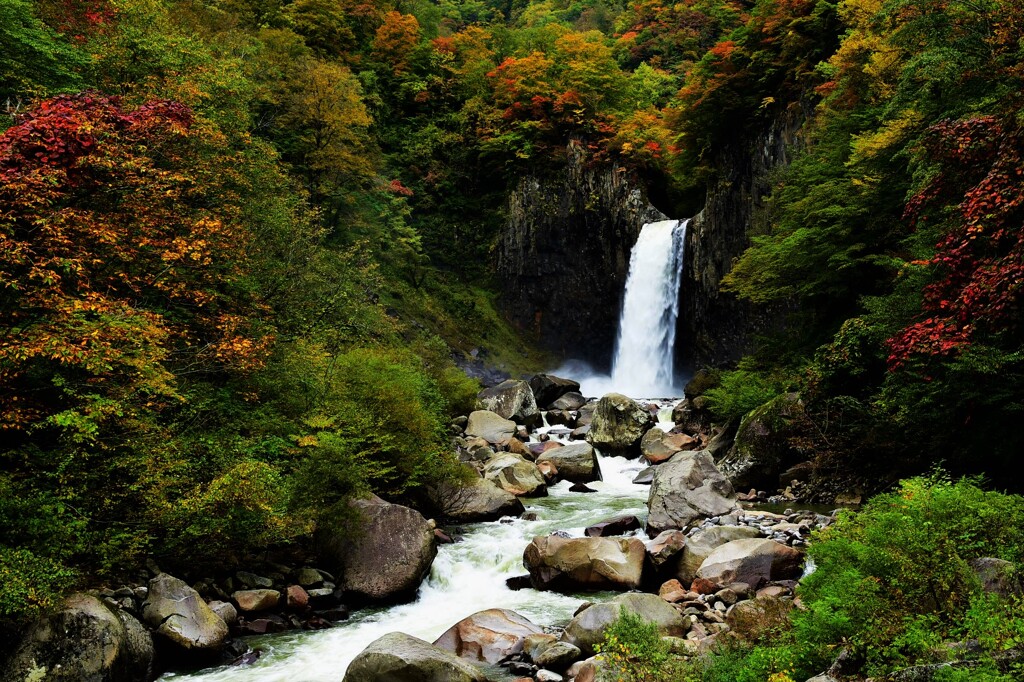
(466, 577)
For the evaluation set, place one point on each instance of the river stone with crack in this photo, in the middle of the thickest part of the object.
(657, 446)
(478, 500)
(700, 545)
(571, 564)
(686, 488)
(488, 636)
(180, 617)
(751, 561)
(619, 424)
(511, 399)
(398, 657)
(588, 627)
(389, 556)
(83, 642)
(576, 462)
(515, 474)
(489, 426)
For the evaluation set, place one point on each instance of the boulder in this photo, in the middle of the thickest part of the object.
(309, 578)
(700, 545)
(699, 384)
(180, 617)
(515, 475)
(296, 598)
(571, 401)
(488, 636)
(226, 610)
(585, 416)
(620, 525)
(751, 561)
(686, 488)
(665, 548)
(511, 399)
(547, 388)
(491, 427)
(645, 477)
(83, 641)
(538, 449)
(762, 449)
(557, 655)
(256, 600)
(576, 462)
(619, 424)
(573, 564)
(997, 576)
(388, 535)
(657, 446)
(561, 418)
(477, 500)
(398, 657)
(752, 619)
(588, 627)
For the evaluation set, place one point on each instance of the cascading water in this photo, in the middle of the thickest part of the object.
(643, 363)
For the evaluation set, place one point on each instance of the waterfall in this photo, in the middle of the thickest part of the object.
(647, 326)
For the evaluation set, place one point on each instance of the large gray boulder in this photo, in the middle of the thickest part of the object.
(763, 447)
(386, 557)
(700, 545)
(619, 424)
(398, 657)
(491, 427)
(515, 474)
(576, 462)
(547, 388)
(751, 561)
(83, 642)
(573, 564)
(588, 627)
(477, 500)
(180, 617)
(686, 488)
(488, 636)
(570, 402)
(513, 400)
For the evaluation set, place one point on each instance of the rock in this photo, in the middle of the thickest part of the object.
(586, 413)
(180, 617)
(296, 598)
(511, 399)
(699, 384)
(581, 488)
(686, 488)
(397, 657)
(389, 535)
(561, 418)
(586, 671)
(580, 432)
(752, 619)
(571, 401)
(309, 578)
(256, 600)
(489, 426)
(534, 644)
(488, 636)
(665, 546)
(259, 626)
(547, 388)
(657, 446)
(645, 477)
(701, 544)
(253, 581)
(751, 561)
(620, 525)
(588, 628)
(518, 447)
(548, 470)
(538, 449)
(515, 474)
(572, 564)
(824, 677)
(619, 424)
(84, 640)
(762, 448)
(547, 676)
(670, 587)
(226, 610)
(576, 462)
(801, 471)
(997, 577)
(557, 655)
(479, 500)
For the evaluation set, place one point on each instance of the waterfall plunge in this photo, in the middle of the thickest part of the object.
(643, 364)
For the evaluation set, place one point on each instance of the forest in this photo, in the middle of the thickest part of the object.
(246, 253)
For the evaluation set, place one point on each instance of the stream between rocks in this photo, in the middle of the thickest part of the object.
(466, 577)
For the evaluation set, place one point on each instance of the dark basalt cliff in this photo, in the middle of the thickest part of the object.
(715, 328)
(563, 257)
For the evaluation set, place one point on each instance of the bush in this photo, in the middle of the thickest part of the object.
(633, 651)
(743, 389)
(30, 584)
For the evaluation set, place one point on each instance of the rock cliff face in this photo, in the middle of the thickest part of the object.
(714, 327)
(563, 257)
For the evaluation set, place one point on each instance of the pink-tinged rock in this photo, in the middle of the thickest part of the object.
(256, 600)
(488, 636)
(296, 598)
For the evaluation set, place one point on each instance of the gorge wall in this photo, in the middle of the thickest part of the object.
(563, 256)
(715, 328)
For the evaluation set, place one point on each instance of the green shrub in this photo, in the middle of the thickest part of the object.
(743, 389)
(633, 650)
(30, 584)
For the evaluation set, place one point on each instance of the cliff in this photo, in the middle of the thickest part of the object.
(563, 256)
